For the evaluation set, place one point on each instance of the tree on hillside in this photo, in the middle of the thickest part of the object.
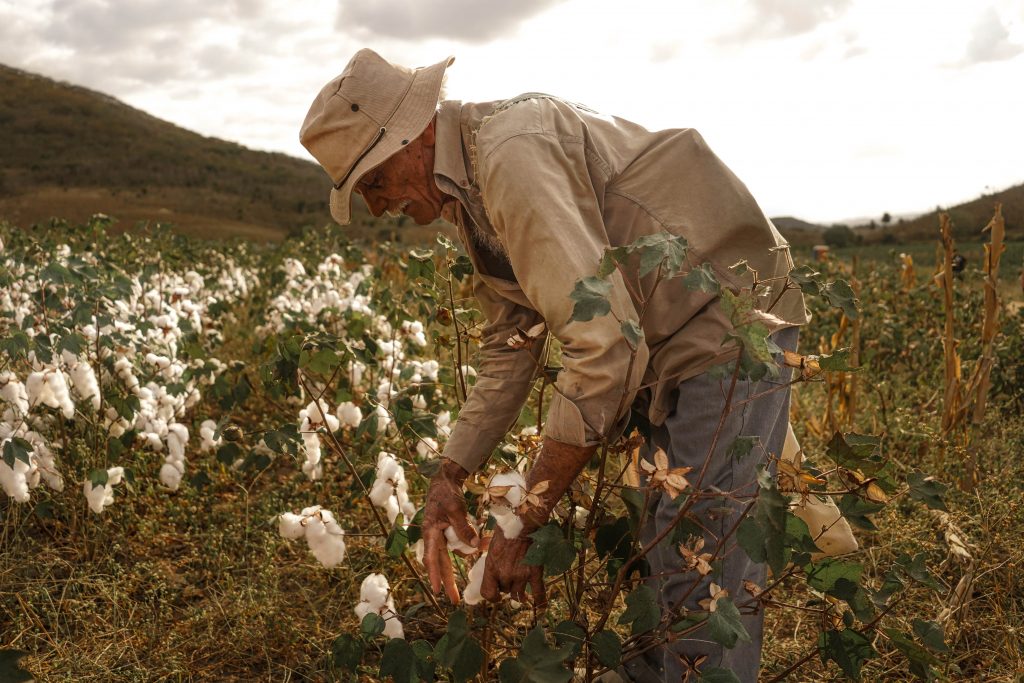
(839, 236)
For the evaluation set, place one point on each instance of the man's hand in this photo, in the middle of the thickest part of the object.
(445, 507)
(506, 573)
(558, 464)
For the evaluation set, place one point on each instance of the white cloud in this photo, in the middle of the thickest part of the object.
(990, 40)
(470, 21)
(782, 18)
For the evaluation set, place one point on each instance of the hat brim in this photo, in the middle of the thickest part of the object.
(407, 123)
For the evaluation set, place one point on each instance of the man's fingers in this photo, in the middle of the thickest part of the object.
(448, 577)
(433, 540)
(489, 586)
(540, 597)
(466, 533)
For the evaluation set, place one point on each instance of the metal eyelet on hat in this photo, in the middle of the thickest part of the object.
(355, 107)
(405, 142)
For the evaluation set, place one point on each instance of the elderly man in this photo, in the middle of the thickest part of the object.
(539, 188)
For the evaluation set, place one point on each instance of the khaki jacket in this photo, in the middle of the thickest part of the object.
(543, 188)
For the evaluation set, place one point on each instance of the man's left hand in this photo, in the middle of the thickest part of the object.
(505, 571)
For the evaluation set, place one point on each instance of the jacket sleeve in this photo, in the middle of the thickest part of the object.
(542, 202)
(504, 379)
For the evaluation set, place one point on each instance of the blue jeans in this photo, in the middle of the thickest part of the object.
(686, 437)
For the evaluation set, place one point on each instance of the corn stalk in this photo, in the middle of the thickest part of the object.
(976, 392)
(953, 395)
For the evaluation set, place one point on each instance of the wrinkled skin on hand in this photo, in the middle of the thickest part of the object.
(445, 507)
(558, 464)
(506, 573)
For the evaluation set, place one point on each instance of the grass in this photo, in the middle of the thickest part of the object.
(197, 586)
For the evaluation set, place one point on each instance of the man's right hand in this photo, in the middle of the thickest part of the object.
(445, 507)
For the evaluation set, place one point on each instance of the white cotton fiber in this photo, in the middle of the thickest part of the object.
(475, 578)
(289, 525)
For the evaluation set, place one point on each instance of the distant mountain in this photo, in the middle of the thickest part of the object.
(969, 218)
(70, 152)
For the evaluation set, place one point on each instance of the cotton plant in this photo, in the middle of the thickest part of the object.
(49, 387)
(208, 439)
(312, 419)
(375, 598)
(349, 415)
(324, 536)
(390, 490)
(506, 491)
(83, 379)
(173, 468)
(101, 496)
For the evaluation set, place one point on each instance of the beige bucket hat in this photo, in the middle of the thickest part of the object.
(364, 116)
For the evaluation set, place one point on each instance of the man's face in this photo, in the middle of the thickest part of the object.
(405, 183)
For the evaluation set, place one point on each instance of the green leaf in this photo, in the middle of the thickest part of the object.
(824, 574)
(421, 265)
(616, 540)
(856, 510)
(716, 674)
(848, 648)
(807, 279)
(398, 539)
(458, 650)
(461, 267)
(322, 361)
(570, 634)
(10, 669)
(591, 297)
(228, 453)
(915, 568)
(611, 257)
(725, 626)
(926, 490)
(98, 477)
(550, 550)
(347, 653)
(840, 295)
(770, 513)
(536, 662)
(920, 659)
(16, 448)
(632, 332)
(398, 661)
(372, 625)
(742, 446)
(838, 361)
(856, 451)
(931, 635)
(702, 279)
(426, 667)
(607, 646)
(642, 610)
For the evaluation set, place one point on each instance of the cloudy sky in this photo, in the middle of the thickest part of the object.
(828, 109)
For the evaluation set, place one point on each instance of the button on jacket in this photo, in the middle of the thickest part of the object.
(543, 188)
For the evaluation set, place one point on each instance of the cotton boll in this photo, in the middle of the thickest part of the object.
(381, 490)
(289, 525)
(170, 475)
(177, 437)
(516, 483)
(392, 509)
(15, 481)
(349, 415)
(374, 590)
(114, 475)
(13, 393)
(326, 539)
(510, 524)
(362, 609)
(475, 579)
(393, 625)
(455, 543)
(427, 447)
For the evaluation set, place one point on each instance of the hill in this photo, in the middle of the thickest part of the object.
(969, 218)
(71, 152)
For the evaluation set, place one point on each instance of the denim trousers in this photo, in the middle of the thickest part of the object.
(759, 409)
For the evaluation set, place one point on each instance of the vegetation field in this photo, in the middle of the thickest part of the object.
(215, 455)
